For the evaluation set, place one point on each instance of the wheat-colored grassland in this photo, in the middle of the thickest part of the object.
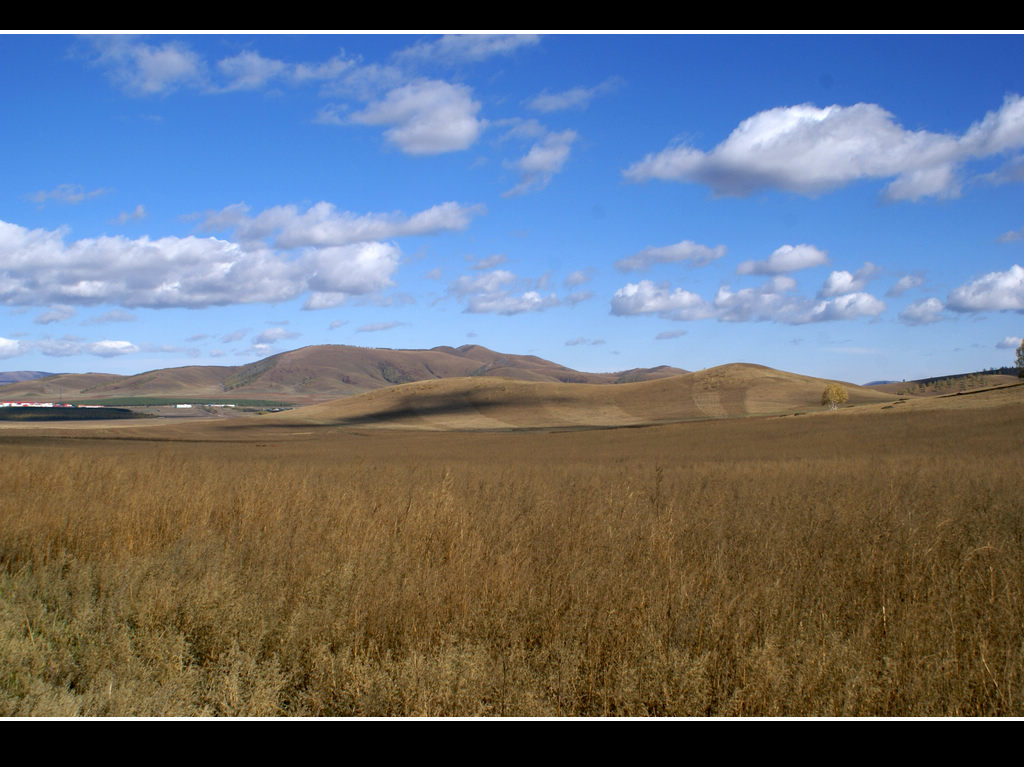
(868, 562)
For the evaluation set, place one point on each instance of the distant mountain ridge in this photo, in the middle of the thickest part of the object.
(319, 373)
(17, 376)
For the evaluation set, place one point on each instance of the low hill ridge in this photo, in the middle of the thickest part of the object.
(320, 373)
(732, 390)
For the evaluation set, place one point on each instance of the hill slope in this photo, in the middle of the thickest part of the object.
(16, 376)
(317, 374)
(471, 403)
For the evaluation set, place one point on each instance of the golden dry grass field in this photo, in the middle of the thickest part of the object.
(867, 562)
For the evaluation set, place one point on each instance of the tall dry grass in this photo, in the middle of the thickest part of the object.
(796, 566)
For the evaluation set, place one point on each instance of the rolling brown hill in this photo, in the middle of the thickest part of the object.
(476, 404)
(931, 387)
(16, 376)
(317, 374)
(64, 386)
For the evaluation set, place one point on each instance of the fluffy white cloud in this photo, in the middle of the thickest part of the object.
(995, 291)
(848, 307)
(645, 297)
(38, 268)
(9, 347)
(111, 348)
(493, 293)
(841, 282)
(427, 117)
(999, 131)
(467, 47)
(770, 301)
(686, 250)
(809, 150)
(922, 312)
(486, 283)
(505, 303)
(1010, 342)
(323, 225)
(774, 301)
(352, 269)
(788, 258)
(545, 158)
(70, 346)
(63, 347)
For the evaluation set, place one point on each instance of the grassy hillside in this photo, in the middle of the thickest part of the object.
(315, 374)
(467, 403)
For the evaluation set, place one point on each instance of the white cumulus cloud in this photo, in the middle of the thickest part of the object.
(497, 293)
(645, 297)
(847, 307)
(773, 301)
(996, 291)
(111, 348)
(809, 150)
(787, 258)
(9, 347)
(38, 268)
(426, 117)
(323, 225)
(841, 282)
(923, 312)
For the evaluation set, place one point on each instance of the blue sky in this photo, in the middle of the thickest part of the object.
(845, 206)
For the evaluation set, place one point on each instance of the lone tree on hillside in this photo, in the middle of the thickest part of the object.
(834, 396)
(1020, 359)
